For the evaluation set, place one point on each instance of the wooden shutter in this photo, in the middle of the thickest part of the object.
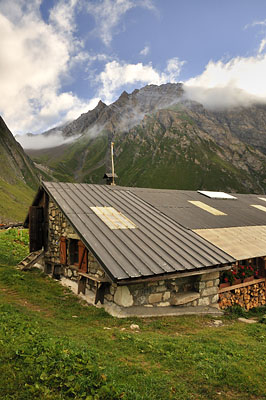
(63, 251)
(36, 228)
(83, 257)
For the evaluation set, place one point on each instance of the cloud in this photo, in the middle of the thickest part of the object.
(240, 81)
(262, 46)
(36, 56)
(35, 142)
(116, 75)
(145, 51)
(108, 14)
(256, 23)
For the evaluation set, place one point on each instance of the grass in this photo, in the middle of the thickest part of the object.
(15, 200)
(54, 346)
(175, 161)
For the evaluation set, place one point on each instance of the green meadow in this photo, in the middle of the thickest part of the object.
(55, 346)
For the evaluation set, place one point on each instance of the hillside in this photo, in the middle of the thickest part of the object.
(18, 179)
(163, 140)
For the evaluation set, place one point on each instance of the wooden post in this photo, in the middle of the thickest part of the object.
(112, 160)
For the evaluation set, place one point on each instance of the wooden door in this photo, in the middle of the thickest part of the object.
(83, 257)
(63, 251)
(36, 228)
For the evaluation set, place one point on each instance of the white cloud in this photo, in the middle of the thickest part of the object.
(241, 81)
(173, 69)
(145, 51)
(108, 14)
(262, 46)
(35, 57)
(34, 142)
(116, 75)
(256, 23)
(62, 16)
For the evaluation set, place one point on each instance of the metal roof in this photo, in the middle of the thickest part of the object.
(177, 205)
(159, 245)
(242, 242)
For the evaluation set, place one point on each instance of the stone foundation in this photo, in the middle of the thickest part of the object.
(199, 290)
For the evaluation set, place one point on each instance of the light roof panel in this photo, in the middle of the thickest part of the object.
(217, 195)
(259, 207)
(113, 218)
(206, 207)
(241, 242)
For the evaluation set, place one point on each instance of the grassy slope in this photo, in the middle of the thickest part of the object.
(14, 201)
(53, 346)
(176, 162)
(18, 181)
(81, 161)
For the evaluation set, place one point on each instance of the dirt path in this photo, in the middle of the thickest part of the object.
(15, 298)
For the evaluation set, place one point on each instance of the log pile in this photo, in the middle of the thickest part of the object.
(247, 297)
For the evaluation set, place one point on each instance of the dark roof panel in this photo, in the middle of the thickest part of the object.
(176, 205)
(158, 245)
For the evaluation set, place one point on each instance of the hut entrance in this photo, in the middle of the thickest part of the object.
(36, 219)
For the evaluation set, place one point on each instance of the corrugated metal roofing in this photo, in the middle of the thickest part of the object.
(158, 245)
(240, 242)
(176, 205)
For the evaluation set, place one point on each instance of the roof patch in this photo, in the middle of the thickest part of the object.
(207, 208)
(113, 218)
(240, 242)
(217, 195)
(259, 207)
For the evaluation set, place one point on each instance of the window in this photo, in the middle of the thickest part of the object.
(78, 255)
(73, 252)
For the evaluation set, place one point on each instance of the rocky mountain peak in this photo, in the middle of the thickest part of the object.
(162, 139)
(101, 105)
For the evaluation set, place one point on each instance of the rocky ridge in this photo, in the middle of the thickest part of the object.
(164, 140)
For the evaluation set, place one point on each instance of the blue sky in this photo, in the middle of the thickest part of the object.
(59, 57)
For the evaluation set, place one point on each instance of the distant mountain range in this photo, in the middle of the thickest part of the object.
(18, 178)
(163, 140)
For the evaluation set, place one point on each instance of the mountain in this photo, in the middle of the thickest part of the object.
(163, 140)
(18, 179)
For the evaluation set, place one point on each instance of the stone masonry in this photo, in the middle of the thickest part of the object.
(58, 227)
(197, 290)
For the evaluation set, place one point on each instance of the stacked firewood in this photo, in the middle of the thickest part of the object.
(247, 297)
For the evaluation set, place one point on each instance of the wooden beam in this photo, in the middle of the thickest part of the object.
(172, 276)
(93, 278)
(241, 285)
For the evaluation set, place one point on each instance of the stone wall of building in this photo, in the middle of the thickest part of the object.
(59, 227)
(197, 290)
